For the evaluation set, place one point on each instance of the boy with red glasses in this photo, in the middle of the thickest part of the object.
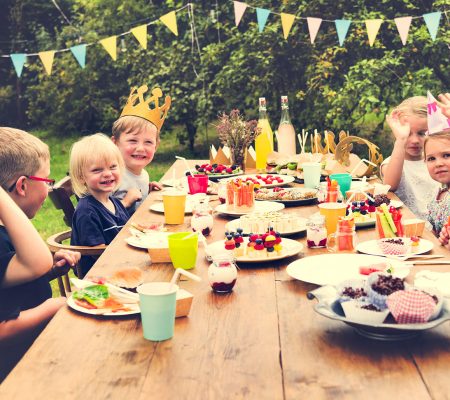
(26, 264)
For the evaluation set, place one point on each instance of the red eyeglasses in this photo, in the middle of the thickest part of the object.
(49, 182)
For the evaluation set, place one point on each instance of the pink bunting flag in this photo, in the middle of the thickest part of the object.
(239, 10)
(313, 27)
(403, 24)
(437, 122)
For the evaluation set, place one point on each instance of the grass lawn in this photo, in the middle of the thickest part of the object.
(49, 220)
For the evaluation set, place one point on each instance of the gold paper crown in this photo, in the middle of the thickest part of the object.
(137, 106)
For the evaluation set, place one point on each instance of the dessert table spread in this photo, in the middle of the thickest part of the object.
(261, 341)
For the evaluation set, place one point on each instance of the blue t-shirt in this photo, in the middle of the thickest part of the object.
(94, 224)
(18, 298)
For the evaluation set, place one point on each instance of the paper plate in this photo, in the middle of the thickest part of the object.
(155, 240)
(331, 269)
(396, 203)
(371, 247)
(234, 224)
(260, 206)
(291, 248)
(286, 179)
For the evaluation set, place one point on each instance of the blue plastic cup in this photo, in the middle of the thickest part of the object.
(158, 304)
(344, 181)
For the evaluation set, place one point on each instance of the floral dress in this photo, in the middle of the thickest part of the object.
(439, 210)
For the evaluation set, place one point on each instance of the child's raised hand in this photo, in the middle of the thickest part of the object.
(400, 127)
(155, 186)
(444, 104)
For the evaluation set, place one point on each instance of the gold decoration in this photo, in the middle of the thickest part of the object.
(138, 106)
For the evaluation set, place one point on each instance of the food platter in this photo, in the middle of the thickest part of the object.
(260, 206)
(270, 195)
(291, 248)
(285, 179)
(329, 307)
(371, 247)
(233, 225)
(331, 269)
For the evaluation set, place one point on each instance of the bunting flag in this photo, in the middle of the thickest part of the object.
(432, 21)
(239, 10)
(286, 22)
(261, 15)
(79, 52)
(18, 61)
(342, 26)
(437, 121)
(47, 59)
(403, 24)
(110, 45)
(373, 26)
(140, 33)
(313, 27)
(170, 20)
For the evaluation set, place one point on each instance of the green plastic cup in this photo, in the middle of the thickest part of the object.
(183, 252)
(158, 304)
(344, 181)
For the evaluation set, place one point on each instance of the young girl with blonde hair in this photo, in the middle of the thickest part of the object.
(96, 167)
(405, 170)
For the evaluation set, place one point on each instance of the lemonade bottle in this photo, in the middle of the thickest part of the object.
(286, 133)
(264, 141)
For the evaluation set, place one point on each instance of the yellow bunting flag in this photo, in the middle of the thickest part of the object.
(47, 59)
(140, 33)
(170, 20)
(286, 22)
(110, 45)
(373, 26)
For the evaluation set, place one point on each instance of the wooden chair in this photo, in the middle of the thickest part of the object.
(55, 243)
(61, 196)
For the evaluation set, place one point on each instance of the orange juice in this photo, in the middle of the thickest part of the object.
(332, 212)
(174, 205)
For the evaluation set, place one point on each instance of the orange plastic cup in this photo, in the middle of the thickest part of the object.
(174, 205)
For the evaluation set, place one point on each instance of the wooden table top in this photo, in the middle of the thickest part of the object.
(262, 341)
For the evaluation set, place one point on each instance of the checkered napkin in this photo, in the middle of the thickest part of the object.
(411, 306)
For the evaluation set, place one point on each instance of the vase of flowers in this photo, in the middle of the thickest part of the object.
(237, 134)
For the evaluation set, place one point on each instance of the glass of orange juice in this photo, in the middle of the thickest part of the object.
(332, 212)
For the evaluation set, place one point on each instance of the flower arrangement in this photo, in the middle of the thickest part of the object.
(237, 134)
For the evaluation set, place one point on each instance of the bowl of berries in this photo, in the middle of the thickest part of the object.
(217, 171)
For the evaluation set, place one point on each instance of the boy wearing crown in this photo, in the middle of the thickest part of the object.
(136, 134)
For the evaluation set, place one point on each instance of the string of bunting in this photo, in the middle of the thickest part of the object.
(432, 21)
(109, 44)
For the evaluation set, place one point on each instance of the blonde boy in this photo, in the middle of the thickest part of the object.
(137, 135)
(26, 264)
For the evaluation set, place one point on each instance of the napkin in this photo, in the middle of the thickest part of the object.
(431, 279)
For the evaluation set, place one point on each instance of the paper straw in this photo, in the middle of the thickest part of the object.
(359, 164)
(190, 235)
(179, 272)
(186, 163)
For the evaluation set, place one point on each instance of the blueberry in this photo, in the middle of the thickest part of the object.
(363, 212)
(355, 203)
(197, 167)
(201, 170)
(187, 173)
(214, 165)
(239, 230)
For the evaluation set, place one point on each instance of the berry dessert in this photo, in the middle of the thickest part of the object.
(222, 275)
(266, 245)
(393, 247)
(217, 169)
(362, 211)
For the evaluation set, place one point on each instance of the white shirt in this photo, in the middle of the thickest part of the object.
(416, 188)
(130, 181)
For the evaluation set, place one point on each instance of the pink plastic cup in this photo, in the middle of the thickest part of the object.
(197, 183)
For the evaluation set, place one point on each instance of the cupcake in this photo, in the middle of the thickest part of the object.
(364, 312)
(379, 286)
(394, 247)
(351, 289)
(411, 306)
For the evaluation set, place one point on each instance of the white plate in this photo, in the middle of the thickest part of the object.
(396, 203)
(216, 177)
(145, 241)
(291, 248)
(365, 224)
(233, 225)
(371, 247)
(159, 207)
(286, 179)
(260, 206)
(331, 269)
(134, 309)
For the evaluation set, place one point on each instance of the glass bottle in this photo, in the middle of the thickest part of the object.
(286, 132)
(316, 232)
(202, 219)
(222, 274)
(264, 141)
(344, 239)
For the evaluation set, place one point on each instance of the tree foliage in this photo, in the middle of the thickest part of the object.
(329, 87)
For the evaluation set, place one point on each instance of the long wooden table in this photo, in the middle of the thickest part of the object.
(262, 341)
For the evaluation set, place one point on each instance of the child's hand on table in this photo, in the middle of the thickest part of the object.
(155, 186)
(132, 196)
